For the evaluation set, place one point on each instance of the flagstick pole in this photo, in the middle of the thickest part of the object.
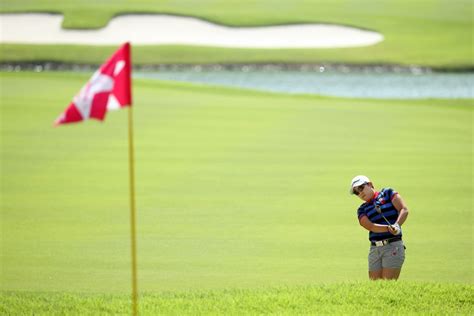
(132, 214)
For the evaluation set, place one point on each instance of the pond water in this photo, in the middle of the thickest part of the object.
(353, 84)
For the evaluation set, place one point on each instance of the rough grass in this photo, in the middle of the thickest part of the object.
(359, 298)
(424, 32)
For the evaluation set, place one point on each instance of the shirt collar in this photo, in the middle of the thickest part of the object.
(376, 194)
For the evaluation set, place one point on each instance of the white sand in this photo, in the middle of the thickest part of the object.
(166, 29)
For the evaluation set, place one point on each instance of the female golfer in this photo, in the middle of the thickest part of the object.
(382, 214)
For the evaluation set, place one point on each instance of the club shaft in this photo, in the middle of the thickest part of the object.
(386, 220)
(379, 210)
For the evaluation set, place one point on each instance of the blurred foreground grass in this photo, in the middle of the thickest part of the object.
(354, 298)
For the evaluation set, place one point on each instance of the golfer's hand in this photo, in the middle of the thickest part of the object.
(394, 229)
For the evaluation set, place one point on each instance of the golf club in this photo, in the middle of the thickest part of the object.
(379, 210)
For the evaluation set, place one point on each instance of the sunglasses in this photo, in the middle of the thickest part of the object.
(359, 189)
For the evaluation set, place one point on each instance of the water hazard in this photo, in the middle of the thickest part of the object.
(406, 84)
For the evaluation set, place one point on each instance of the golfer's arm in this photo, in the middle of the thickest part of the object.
(376, 228)
(401, 208)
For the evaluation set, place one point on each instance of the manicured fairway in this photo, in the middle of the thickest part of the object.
(234, 188)
(422, 32)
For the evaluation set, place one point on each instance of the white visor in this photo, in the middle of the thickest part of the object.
(356, 181)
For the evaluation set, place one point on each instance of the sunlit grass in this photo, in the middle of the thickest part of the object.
(431, 33)
(235, 190)
(355, 298)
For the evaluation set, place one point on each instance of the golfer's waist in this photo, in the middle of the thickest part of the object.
(385, 241)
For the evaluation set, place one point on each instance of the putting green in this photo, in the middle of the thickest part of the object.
(234, 188)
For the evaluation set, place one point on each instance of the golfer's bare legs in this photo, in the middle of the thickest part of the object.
(375, 275)
(387, 273)
(390, 274)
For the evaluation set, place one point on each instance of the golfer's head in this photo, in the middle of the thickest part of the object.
(362, 187)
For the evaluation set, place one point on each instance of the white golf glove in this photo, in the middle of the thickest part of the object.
(396, 229)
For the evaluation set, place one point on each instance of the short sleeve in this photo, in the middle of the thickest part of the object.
(361, 212)
(389, 194)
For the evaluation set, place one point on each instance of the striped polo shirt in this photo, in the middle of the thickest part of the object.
(384, 200)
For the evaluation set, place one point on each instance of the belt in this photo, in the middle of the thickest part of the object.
(385, 241)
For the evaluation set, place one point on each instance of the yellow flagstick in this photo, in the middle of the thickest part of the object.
(132, 214)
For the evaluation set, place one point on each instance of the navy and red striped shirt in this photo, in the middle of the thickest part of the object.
(384, 200)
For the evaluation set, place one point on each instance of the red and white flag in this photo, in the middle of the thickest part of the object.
(108, 89)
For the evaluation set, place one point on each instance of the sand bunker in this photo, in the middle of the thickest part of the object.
(175, 30)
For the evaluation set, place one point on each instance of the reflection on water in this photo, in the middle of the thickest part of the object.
(387, 85)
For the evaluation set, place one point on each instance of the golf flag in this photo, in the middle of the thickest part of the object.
(108, 89)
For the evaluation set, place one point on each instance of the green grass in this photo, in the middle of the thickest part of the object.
(360, 298)
(424, 32)
(235, 189)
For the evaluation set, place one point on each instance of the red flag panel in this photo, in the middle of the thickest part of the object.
(108, 89)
